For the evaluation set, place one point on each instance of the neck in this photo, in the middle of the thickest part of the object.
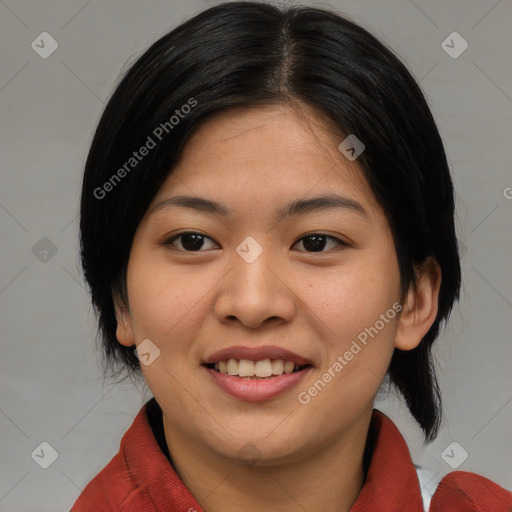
(327, 480)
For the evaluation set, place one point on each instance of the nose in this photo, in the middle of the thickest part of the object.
(256, 293)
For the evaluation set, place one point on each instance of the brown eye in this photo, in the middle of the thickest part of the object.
(190, 241)
(317, 242)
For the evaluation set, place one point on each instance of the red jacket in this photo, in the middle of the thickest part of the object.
(140, 479)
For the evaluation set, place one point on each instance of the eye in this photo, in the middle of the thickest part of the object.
(316, 242)
(190, 241)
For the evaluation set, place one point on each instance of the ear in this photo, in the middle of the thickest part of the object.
(420, 306)
(124, 331)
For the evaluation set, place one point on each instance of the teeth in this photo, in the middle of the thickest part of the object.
(232, 367)
(278, 367)
(288, 367)
(245, 368)
(262, 369)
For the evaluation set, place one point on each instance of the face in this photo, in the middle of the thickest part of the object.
(316, 286)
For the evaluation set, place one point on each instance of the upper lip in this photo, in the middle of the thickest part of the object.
(256, 354)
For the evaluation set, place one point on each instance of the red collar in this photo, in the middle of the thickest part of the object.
(140, 477)
(391, 484)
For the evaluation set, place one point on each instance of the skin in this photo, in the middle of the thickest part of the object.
(191, 304)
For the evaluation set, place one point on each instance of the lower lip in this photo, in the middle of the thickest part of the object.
(257, 390)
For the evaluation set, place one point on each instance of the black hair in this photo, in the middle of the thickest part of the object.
(247, 54)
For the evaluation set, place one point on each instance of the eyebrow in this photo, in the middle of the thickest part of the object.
(296, 207)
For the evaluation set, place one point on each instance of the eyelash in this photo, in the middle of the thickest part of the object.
(330, 237)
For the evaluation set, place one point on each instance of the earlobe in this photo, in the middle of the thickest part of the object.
(124, 331)
(420, 306)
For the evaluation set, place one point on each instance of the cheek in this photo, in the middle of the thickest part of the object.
(354, 295)
(357, 353)
(357, 305)
(167, 302)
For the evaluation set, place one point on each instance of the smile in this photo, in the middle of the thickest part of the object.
(256, 373)
(263, 369)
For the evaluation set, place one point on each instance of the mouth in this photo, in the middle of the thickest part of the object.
(256, 370)
(255, 374)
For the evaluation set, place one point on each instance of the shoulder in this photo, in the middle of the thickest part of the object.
(458, 491)
(107, 490)
(461, 491)
(140, 476)
(120, 480)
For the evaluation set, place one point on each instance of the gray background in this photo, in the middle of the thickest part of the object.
(51, 381)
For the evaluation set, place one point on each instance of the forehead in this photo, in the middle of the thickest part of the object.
(264, 154)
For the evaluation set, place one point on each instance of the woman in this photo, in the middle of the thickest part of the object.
(267, 230)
